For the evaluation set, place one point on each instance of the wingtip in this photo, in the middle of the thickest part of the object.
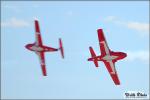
(36, 19)
(90, 47)
(117, 84)
(44, 73)
(100, 29)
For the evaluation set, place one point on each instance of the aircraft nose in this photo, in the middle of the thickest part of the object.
(27, 46)
(124, 54)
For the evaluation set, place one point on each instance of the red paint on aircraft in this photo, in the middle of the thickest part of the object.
(107, 56)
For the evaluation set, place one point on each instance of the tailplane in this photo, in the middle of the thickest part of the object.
(61, 48)
(93, 57)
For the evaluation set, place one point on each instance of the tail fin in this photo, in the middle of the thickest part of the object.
(61, 48)
(93, 57)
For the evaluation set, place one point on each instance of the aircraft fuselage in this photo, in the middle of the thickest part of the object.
(112, 56)
(36, 48)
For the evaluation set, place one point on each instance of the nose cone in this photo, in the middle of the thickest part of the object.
(124, 55)
(27, 46)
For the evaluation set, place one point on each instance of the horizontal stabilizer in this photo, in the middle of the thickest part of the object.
(92, 52)
(61, 48)
(93, 57)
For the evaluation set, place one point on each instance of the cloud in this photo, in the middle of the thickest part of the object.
(11, 7)
(110, 18)
(142, 28)
(15, 23)
(142, 56)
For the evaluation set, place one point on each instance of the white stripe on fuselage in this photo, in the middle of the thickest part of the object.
(108, 57)
(37, 48)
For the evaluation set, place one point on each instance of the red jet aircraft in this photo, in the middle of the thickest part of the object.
(40, 49)
(107, 56)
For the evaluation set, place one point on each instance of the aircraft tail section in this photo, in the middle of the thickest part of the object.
(93, 58)
(61, 48)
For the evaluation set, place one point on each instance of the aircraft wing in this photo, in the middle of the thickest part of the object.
(42, 62)
(102, 42)
(110, 65)
(37, 34)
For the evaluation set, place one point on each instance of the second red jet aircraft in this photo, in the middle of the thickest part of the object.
(107, 56)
